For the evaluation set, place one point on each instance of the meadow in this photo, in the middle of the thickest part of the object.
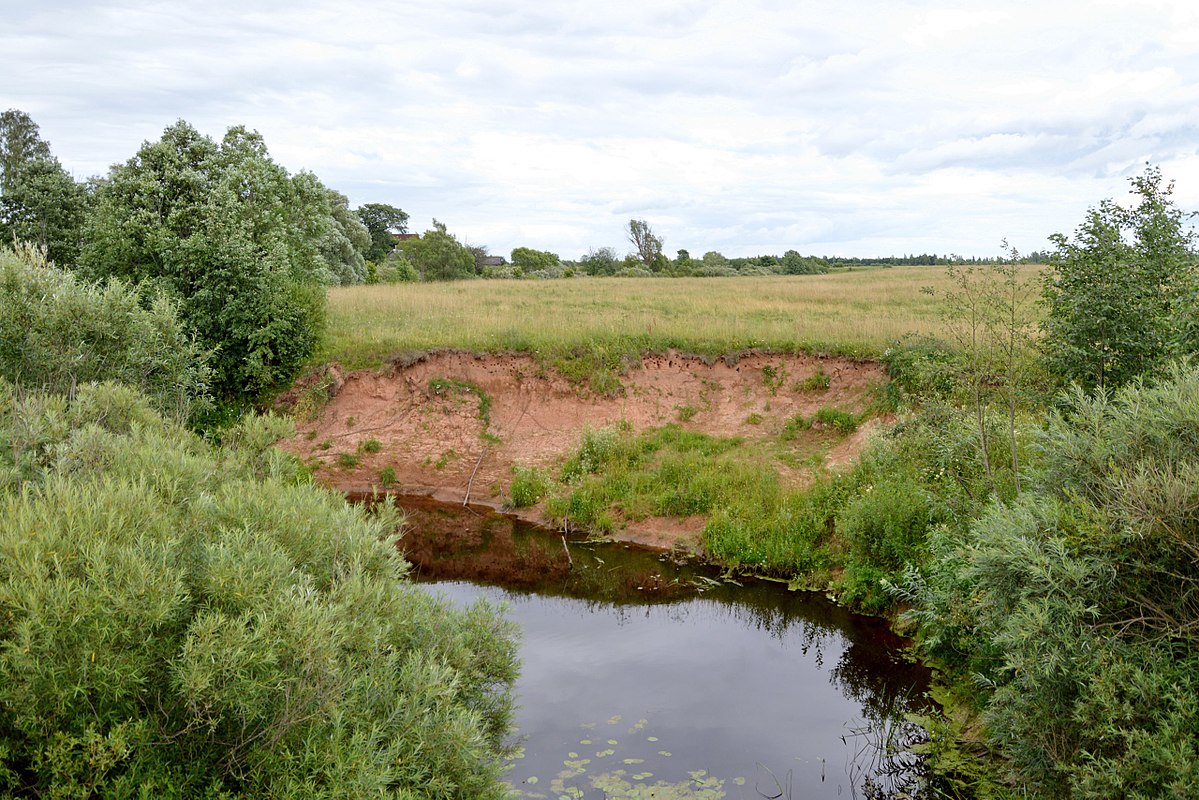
(853, 313)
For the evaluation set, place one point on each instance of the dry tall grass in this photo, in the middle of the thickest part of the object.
(853, 313)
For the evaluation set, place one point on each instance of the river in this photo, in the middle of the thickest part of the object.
(645, 675)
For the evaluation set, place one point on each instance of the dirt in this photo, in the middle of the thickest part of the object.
(452, 425)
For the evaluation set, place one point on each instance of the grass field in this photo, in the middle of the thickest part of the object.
(850, 313)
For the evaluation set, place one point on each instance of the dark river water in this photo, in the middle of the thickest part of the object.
(645, 676)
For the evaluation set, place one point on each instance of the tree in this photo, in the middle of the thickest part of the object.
(795, 264)
(226, 231)
(39, 201)
(438, 256)
(647, 244)
(46, 207)
(989, 315)
(1121, 294)
(20, 143)
(381, 221)
(529, 259)
(602, 261)
(345, 243)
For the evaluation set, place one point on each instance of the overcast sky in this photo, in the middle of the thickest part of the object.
(851, 128)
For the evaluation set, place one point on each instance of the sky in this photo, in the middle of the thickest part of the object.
(853, 128)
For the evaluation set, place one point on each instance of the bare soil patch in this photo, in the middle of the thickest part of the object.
(451, 425)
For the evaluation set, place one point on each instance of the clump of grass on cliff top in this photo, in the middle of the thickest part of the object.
(592, 325)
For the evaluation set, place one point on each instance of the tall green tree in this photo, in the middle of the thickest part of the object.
(345, 243)
(381, 221)
(228, 232)
(39, 202)
(20, 142)
(1121, 293)
(438, 255)
(600, 261)
(529, 259)
(647, 244)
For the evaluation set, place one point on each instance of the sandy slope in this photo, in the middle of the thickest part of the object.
(435, 442)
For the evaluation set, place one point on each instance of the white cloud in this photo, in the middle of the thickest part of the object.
(741, 126)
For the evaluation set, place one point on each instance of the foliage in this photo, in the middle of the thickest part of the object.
(181, 621)
(989, 315)
(647, 244)
(529, 259)
(1079, 602)
(381, 221)
(603, 261)
(438, 256)
(45, 207)
(39, 202)
(395, 269)
(57, 333)
(227, 232)
(1121, 294)
(794, 264)
(21, 142)
(344, 241)
(922, 368)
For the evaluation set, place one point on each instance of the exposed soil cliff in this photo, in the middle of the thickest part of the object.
(452, 425)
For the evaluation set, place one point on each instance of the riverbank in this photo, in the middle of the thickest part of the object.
(456, 427)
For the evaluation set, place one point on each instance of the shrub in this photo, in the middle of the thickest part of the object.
(1082, 592)
(886, 523)
(922, 367)
(174, 624)
(57, 332)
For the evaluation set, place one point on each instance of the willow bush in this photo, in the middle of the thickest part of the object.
(180, 620)
(57, 331)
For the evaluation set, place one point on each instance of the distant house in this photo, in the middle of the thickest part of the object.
(492, 261)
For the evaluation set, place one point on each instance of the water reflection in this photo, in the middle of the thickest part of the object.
(648, 672)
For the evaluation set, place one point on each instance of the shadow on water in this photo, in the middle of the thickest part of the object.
(648, 674)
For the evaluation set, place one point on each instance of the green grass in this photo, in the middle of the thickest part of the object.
(587, 327)
(755, 522)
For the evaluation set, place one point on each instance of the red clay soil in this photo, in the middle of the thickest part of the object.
(430, 432)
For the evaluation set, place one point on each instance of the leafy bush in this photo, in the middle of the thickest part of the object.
(232, 238)
(179, 621)
(922, 367)
(886, 523)
(818, 381)
(57, 332)
(1080, 600)
(1121, 295)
